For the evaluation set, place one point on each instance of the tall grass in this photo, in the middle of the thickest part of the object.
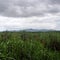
(30, 46)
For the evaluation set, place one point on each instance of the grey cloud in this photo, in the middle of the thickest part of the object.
(53, 9)
(54, 1)
(28, 8)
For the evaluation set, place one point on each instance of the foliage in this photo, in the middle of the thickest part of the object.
(30, 46)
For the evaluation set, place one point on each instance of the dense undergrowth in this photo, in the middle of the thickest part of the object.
(30, 46)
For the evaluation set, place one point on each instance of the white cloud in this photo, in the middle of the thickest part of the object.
(46, 22)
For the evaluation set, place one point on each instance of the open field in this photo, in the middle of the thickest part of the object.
(29, 45)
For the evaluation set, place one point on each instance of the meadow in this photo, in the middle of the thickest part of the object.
(30, 45)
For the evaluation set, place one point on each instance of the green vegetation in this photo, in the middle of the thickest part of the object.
(29, 45)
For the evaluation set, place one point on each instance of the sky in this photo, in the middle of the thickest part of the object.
(29, 14)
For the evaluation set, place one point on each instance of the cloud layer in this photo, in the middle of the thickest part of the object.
(22, 14)
(28, 8)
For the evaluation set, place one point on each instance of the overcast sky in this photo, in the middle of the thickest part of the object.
(26, 14)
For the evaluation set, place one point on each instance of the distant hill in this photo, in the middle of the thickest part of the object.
(30, 30)
(37, 30)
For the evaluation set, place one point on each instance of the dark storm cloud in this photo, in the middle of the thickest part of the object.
(28, 8)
